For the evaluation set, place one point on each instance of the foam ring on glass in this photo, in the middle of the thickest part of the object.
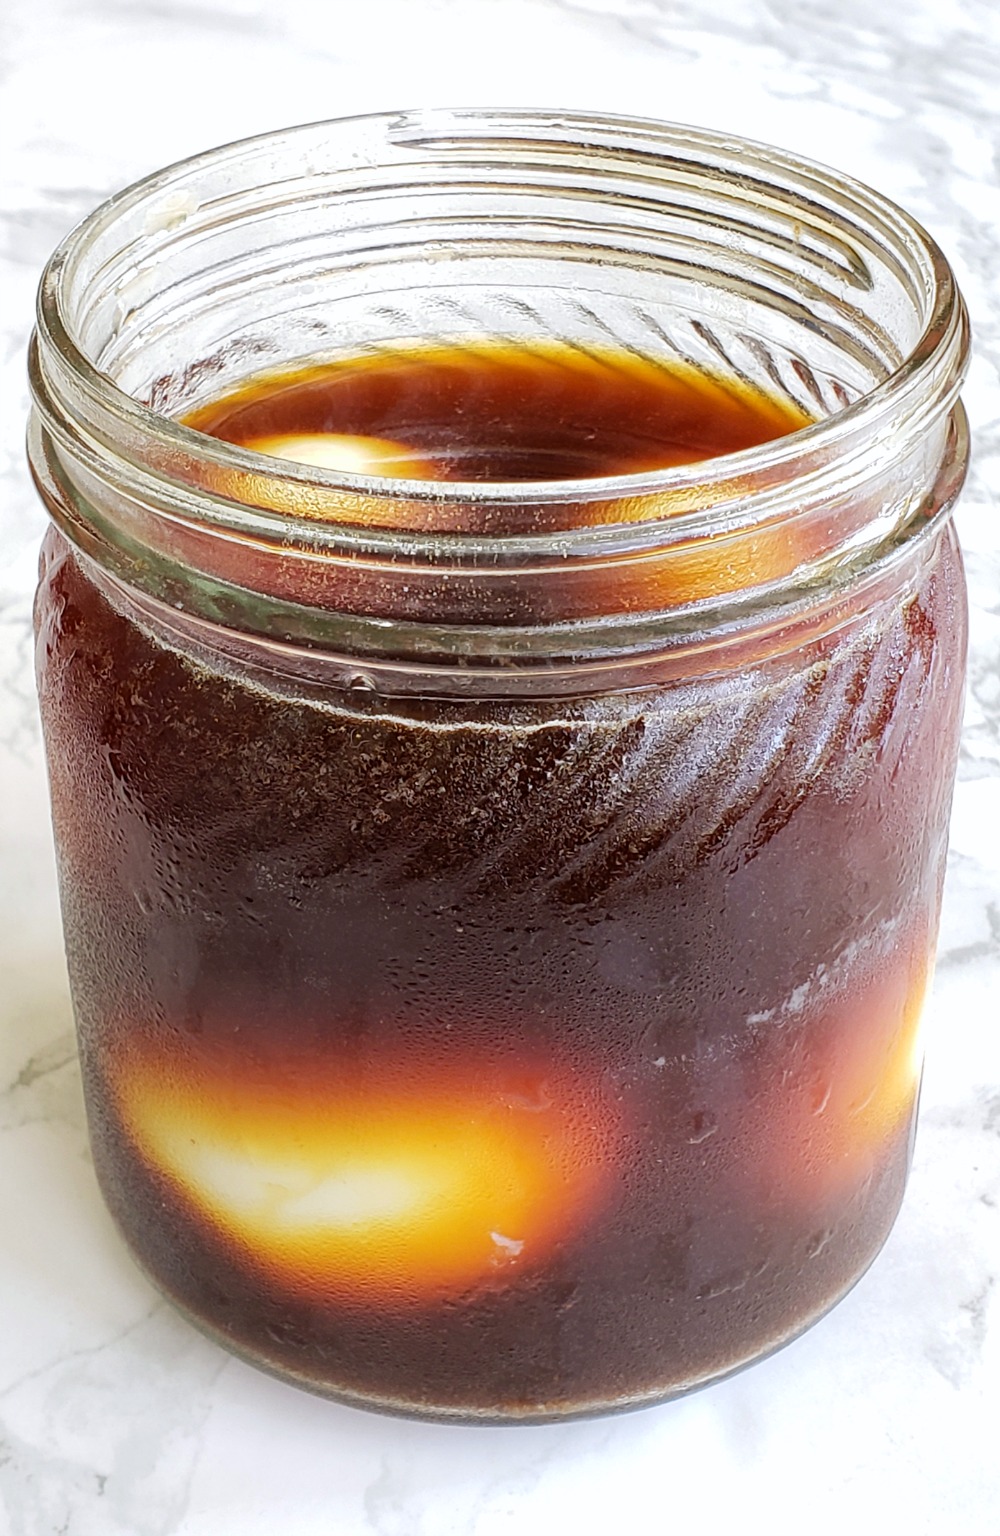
(499, 915)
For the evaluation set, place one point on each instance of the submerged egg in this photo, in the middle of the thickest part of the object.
(380, 1194)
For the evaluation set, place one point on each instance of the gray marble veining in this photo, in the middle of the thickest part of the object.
(115, 1418)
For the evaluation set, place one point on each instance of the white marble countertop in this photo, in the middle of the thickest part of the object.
(116, 1419)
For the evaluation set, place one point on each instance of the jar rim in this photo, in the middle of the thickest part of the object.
(943, 339)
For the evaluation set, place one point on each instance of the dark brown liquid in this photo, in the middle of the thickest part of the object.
(498, 1058)
(506, 413)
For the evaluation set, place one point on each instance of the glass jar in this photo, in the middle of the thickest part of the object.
(498, 915)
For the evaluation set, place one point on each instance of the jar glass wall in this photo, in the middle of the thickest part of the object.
(499, 914)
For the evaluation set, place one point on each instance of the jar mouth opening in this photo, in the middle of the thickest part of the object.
(942, 341)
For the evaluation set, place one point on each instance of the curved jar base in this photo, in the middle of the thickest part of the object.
(672, 1366)
(511, 1415)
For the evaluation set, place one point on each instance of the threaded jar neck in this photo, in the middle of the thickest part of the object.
(691, 249)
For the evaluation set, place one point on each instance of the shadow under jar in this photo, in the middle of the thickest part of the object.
(499, 912)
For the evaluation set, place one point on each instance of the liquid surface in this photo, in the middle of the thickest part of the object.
(497, 413)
